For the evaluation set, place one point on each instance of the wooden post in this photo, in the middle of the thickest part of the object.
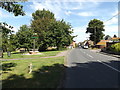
(30, 68)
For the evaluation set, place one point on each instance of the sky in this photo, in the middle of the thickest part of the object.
(77, 12)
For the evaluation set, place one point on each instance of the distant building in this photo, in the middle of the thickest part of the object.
(88, 43)
(72, 45)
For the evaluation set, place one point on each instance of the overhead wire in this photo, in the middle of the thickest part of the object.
(112, 17)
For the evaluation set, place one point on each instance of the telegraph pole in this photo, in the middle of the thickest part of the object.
(95, 34)
(1, 50)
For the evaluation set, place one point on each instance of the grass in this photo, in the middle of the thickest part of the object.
(20, 55)
(46, 73)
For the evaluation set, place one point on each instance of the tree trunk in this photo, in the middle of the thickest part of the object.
(59, 46)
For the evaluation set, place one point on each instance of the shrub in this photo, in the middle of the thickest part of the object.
(115, 47)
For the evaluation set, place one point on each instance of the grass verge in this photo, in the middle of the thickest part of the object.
(46, 73)
(20, 55)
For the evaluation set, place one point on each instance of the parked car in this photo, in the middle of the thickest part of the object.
(85, 47)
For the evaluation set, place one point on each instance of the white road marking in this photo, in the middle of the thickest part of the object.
(90, 56)
(109, 66)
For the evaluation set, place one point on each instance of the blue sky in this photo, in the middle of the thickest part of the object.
(77, 13)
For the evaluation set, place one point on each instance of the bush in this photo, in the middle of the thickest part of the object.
(115, 47)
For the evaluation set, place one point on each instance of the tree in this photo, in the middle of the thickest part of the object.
(41, 22)
(50, 31)
(61, 34)
(23, 37)
(95, 28)
(17, 9)
(107, 37)
(12, 42)
(6, 33)
(115, 36)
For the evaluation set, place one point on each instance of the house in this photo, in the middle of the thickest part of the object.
(72, 45)
(107, 43)
(113, 41)
(88, 43)
(102, 43)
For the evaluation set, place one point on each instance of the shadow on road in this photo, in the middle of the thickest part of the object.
(93, 75)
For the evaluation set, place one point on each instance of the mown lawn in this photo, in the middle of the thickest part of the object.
(46, 73)
(20, 55)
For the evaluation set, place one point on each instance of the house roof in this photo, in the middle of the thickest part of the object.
(104, 40)
(115, 38)
(101, 43)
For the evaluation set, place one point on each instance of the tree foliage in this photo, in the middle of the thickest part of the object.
(6, 33)
(95, 28)
(115, 36)
(17, 9)
(115, 47)
(50, 31)
(23, 37)
(107, 37)
(61, 34)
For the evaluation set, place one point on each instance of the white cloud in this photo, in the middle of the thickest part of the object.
(37, 6)
(15, 29)
(80, 31)
(4, 14)
(111, 30)
(86, 14)
(115, 12)
(53, 7)
(112, 21)
(78, 0)
(72, 6)
(68, 12)
(0, 13)
(59, 7)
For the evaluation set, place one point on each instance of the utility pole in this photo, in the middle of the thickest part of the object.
(95, 34)
(1, 51)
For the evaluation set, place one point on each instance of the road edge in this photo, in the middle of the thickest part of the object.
(62, 80)
(117, 56)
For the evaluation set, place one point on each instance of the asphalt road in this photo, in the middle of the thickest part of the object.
(88, 69)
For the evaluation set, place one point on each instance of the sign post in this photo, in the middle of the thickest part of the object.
(34, 36)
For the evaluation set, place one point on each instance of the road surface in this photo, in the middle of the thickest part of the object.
(88, 69)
